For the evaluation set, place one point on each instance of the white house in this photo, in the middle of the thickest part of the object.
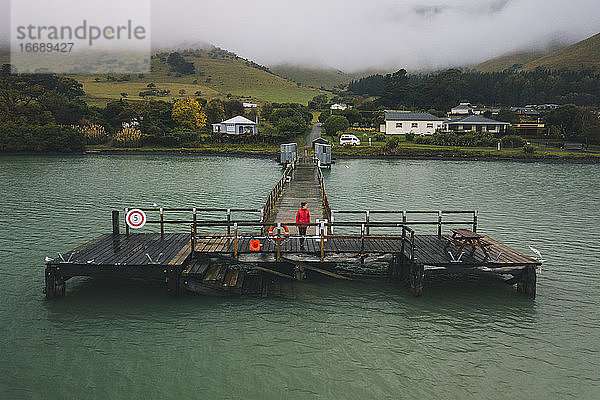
(403, 122)
(463, 109)
(475, 123)
(236, 126)
(250, 105)
(338, 107)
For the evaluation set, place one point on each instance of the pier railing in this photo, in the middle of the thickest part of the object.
(440, 221)
(406, 235)
(166, 216)
(190, 216)
(324, 199)
(276, 191)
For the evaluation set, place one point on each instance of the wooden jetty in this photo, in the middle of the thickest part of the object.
(226, 252)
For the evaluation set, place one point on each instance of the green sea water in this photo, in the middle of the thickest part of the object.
(467, 338)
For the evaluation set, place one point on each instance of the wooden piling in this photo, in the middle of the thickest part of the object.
(528, 282)
(173, 278)
(55, 283)
(417, 274)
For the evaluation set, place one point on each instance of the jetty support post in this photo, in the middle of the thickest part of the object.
(475, 221)
(416, 276)
(115, 222)
(173, 279)
(527, 283)
(439, 224)
(367, 217)
(55, 283)
(126, 224)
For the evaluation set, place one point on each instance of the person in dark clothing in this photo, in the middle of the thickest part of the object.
(302, 216)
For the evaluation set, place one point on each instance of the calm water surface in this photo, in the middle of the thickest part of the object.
(467, 338)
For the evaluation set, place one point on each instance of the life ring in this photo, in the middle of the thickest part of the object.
(255, 245)
(285, 233)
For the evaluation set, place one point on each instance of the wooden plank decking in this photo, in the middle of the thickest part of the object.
(146, 250)
(304, 186)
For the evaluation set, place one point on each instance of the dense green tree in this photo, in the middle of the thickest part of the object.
(215, 111)
(506, 115)
(179, 65)
(324, 115)
(233, 108)
(335, 124)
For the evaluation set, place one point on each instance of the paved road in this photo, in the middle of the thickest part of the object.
(315, 132)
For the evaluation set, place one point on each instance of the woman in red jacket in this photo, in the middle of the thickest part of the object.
(302, 216)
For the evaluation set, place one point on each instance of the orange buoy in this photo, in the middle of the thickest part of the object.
(284, 234)
(255, 245)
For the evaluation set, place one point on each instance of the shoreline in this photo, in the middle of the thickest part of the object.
(441, 157)
(570, 158)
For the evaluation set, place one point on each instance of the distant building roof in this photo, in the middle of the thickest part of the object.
(477, 119)
(525, 110)
(410, 116)
(250, 105)
(463, 106)
(239, 120)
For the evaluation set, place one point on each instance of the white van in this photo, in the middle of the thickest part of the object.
(347, 138)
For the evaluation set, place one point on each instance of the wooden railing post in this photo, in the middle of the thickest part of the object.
(235, 241)
(278, 241)
(403, 240)
(439, 224)
(475, 221)
(115, 222)
(162, 221)
(412, 246)
(362, 238)
(126, 224)
(193, 238)
(195, 216)
(367, 217)
(228, 222)
(404, 217)
(322, 241)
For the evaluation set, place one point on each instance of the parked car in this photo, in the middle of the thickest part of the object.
(347, 138)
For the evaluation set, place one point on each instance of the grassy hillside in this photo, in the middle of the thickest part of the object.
(498, 64)
(218, 74)
(317, 77)
(584, 54)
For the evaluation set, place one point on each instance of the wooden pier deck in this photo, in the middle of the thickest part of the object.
(240, 257)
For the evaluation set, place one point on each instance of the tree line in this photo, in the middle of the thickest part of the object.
(445, 89)
(46, 112)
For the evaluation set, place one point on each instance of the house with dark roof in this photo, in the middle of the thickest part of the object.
(530, 122)
(475, 123)
(403, 122)
(236, 126)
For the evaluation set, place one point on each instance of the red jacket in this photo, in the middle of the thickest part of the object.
(302, 216)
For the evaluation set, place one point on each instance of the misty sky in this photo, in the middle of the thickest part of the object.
(352, 35)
